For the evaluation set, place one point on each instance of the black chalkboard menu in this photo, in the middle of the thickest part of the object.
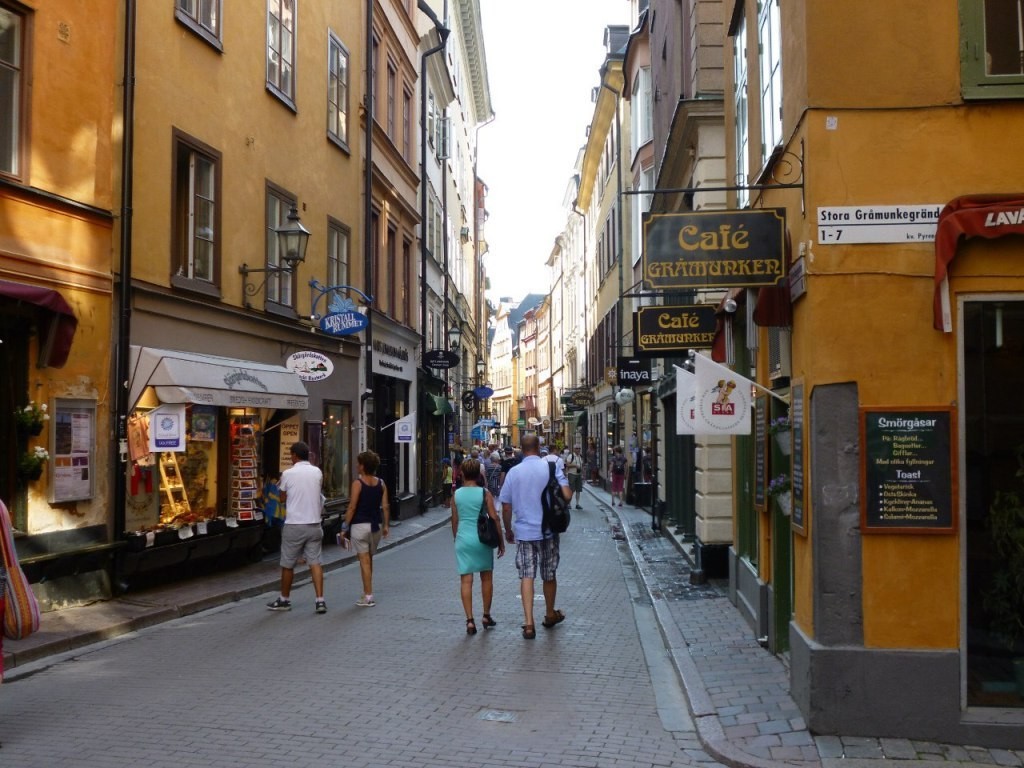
(796, 420)
(907, 470)
(760, 451)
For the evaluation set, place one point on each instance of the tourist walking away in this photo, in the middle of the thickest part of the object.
(302, 536)
(447, 481)
(574, 472)
(536, 549)
(555, 457)
(493, 472)
(471, 555)
(617, 468)
(367, 519)
(507, 463)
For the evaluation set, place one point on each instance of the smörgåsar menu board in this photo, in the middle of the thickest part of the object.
(907, 470)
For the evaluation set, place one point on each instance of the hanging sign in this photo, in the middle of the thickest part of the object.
(343, 323)
(167, 428)
(311, 366)
(581, 398)
(714, 249)
(483, 393)
(468, 400)
(440, 358)
(661, 331)
(632, 373)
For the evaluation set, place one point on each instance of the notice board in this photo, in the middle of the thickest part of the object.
(908, 470)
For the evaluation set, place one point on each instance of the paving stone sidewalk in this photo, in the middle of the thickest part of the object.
(738, 691)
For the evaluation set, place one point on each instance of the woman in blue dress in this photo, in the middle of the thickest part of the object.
(472, 556)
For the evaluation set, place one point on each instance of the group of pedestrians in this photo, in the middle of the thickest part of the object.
(517, 485)
(365, 522)
(520, 495)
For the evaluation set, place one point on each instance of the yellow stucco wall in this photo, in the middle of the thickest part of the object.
(261, 139)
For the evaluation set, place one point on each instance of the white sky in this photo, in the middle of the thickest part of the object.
(543, 58)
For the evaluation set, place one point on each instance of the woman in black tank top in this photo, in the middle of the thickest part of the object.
(366, 519)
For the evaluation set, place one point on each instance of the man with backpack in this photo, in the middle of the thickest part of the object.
(573, 470)
(536, 548)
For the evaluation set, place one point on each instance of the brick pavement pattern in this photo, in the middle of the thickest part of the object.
(400, 684)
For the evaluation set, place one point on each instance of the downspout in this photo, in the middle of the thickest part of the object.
(123, 351)
(618, 163)
(586, 330)
(368, 237)
(442, 32)
(481, 302)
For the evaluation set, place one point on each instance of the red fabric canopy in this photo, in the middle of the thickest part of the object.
(987, 216)
(56, 320)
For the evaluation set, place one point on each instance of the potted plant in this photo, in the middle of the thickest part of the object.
(1004, 599)
(780, 489)
(31, 463)
(31, 419)
(779, 428)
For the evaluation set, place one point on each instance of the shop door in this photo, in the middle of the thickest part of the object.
(992, 371)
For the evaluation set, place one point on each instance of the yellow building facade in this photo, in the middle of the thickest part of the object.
(57, 216)
(895, 157)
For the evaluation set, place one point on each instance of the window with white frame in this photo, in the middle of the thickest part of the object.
(281, 48)
(203, 18)
(195, 238)
(741, 127)
(337, 89)
(769, 39)
(992, 48)
(642, 108)
(337, 253)
(391, 84)
(280, 286)
(12, 89)
(643, 204)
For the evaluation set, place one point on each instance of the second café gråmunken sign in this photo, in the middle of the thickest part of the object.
(714, 249)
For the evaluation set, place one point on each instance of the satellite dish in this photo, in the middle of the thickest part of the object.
(624, 396)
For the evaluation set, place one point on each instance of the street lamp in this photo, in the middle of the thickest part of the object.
(454, 338)
(292, 240)
(481, 369)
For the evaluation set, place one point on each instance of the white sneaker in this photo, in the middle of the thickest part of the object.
(366, 601)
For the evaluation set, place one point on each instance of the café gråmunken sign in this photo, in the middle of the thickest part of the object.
(714, 249)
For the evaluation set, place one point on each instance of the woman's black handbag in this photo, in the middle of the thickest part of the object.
(486, 528)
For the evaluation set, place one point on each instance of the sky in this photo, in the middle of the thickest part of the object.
(543, 60)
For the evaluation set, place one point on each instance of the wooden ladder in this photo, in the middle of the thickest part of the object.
(171, 485)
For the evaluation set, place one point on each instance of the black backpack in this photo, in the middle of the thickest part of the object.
(556, 508)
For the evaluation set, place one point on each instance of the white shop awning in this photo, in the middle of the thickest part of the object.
(189, 377)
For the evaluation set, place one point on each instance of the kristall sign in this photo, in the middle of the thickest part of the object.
(343, 323)
(717, 249)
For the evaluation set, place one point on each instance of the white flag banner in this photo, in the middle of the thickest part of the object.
(405, 428)
(722, 399)
(686, 401)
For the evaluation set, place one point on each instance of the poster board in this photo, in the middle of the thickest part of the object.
(798, 520)
(908, 469)
(760, 452)
(73, 449)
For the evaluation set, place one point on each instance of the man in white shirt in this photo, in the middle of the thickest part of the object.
(535, 549)
(302, 535)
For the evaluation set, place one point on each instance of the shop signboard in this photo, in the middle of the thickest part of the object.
(672, 330)
(714, 249)
(520, 423)
(468, 400)
(483, 393)
(440, 358)
(290, 434)
(908, 466)
(309, 365)
(343, 323)
(632, 372)
(582, 398)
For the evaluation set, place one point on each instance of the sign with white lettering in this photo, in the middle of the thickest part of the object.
(633, 372)
(343, 323)
(907, 470)
(878, 224)
(714, 249)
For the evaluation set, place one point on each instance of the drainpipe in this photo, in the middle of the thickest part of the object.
(368, 238)
(123, 352)
(586, 330)
(618, 163)
(442, 32)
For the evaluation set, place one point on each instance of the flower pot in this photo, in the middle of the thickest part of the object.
(782, 439)
(785, 502)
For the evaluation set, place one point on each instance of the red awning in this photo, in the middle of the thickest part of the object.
(987, 216)
(55, 320)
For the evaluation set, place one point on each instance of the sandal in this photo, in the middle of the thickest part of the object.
(529, 632)
(470, 627)
(488, 622)
(550, 621)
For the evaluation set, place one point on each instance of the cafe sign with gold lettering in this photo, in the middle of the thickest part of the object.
(672, 330)
(714, 249)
